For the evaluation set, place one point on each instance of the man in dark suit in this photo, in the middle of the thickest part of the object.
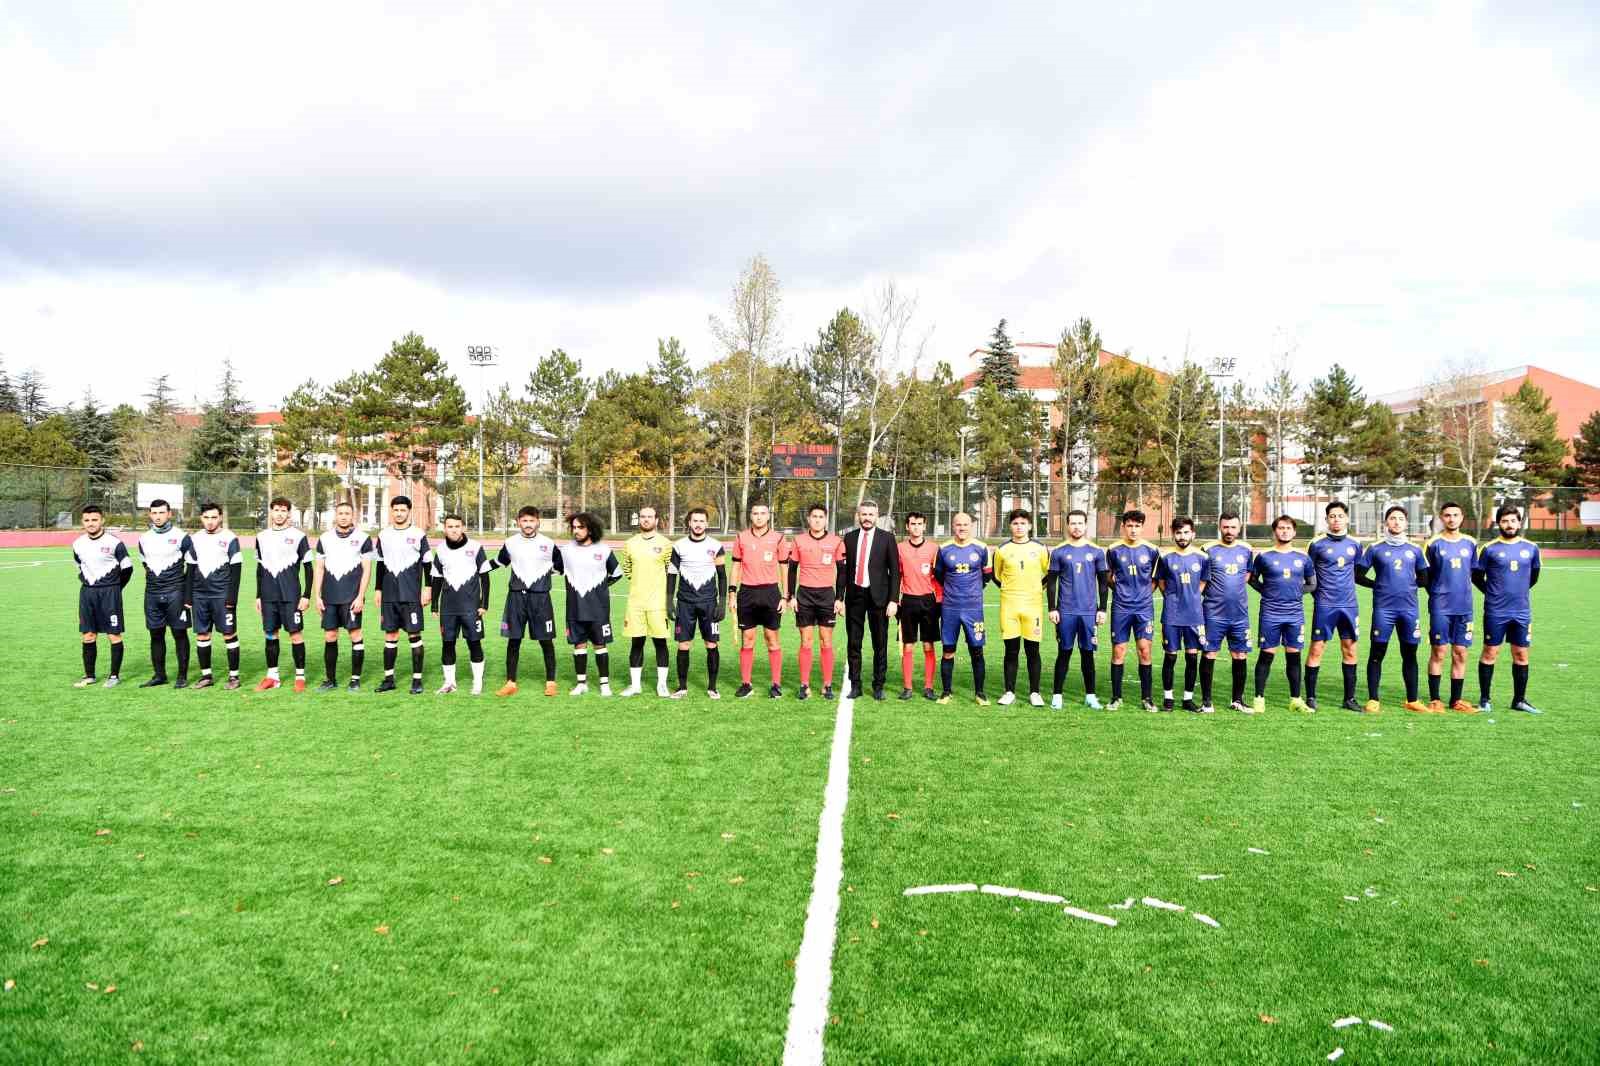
(869, 597)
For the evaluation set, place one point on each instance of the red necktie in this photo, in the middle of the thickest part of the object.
(861, 563)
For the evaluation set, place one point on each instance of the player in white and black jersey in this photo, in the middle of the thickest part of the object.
(591, 569)
(217, 565)
(339, 591)
(400, 577)
(531, 556)
(283, 557)
(165, 550)
(104, 570)
(697, 592)
(460, 575)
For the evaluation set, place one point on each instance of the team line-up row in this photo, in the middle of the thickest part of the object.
(683, 588)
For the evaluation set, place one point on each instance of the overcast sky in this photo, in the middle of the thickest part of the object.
(294, 186)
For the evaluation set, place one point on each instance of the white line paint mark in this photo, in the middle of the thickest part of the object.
(1206, 919)
(20, 566)
(813, 966)
(1211, 877)
(1125, 905)
(1336, 1054)
(1041, 897)
(1345, 1023)
(934, 890)
(1090, 916)
(1385, 1026)
(1257, 851)
(999, 890)
(1161, 904)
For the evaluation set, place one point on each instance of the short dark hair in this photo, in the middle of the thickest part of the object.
(649, 507)
(211, 505)
(1182, 522)
(591, 522)
(915, 514)
(90, 508)
(1328, 510)
(1392, 508)
(1507, 509)
(815, 507)
(697, 511)
(399, 500)
(1131, 515)
(1227, 516)
(1281, 519)
(454, 517)
(530, 511)
(759, 502)
(1081, 514)
(341, 503)
(1018, 512)
(280, 501)
(1446, 505)
(159, 503)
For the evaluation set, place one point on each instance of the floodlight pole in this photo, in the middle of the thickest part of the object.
(481, 356)
(1221, 370)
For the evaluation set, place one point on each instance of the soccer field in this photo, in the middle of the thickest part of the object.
(363, 878)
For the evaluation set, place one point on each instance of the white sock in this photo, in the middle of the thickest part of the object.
(661, 675)
(477, 675)
(272, 672)
(1188, 695)
(636, 672)
(1166, 693)
(450, 674)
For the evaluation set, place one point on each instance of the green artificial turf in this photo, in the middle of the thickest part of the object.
(208, 903)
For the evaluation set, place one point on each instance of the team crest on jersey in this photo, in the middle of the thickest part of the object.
(827, 557)
(1194, 567)
(1523, 554)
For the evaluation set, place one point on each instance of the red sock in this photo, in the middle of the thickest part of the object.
(827, 664)
(775, 662)
(929, 662)
(905, 665)
(805, 665)
(747, 661)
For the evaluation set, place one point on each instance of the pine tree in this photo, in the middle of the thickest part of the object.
(225, 439)
(1534, 447)
(559, 393)
(9, 403)
(1079, 380)
(94, 433)
(1419, 445)
(32, 403)
(1586, 451)
(999, 366)
(1336, 408)
(1125, 434)
(415, 407)
(159, 403)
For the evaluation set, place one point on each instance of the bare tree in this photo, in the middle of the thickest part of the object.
(1473, 437)
(753, 329)
(893, 359)
(1282, 416)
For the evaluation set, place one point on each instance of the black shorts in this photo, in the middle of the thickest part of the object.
(100, 609)
(701, 616)
(214, 613)
(398, 616)
(528, 613)
(276, 615)
(470, 626)
(589, 633)
(919, 619)
(339, 616)
(758, 606)
(814, 607)
(165, 610)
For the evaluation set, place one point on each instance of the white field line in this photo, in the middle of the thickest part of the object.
(20, 566)
(813, 966)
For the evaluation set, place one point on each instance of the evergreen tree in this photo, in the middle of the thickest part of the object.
(1376, 458)
(1125, 435)
(1586, 451)
(838, 372)
(414, 406)
(94, 433)
(1335, 411)
(32, 403)
(225, 439)
(1418, 446)
(559, 393)
(1078, 384)
(999, 366)
(9, 403)
(159, 398)
(1533, 446)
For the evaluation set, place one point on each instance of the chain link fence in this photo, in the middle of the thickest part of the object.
(49, 498)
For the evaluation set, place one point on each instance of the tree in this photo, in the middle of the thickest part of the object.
(225, 439)
(158, 397)
(892, 354)
(1473, 438)
(1334, 411)
(47, 444)
(1586, 451)
(1078, 378)
(507, 424)
(753, 329)
(1002, 424)
(1281, 414)
(999, 365)
(1533, 446)
(1375, 445)
(676, 428)
(1419, 445)
(9, 403)
(94, 433)
(1130, 452)
(155, 440)
(837, 373)
(1185, 408)
(414, 408)
(32, 403)
(558, 393)
(311, 426)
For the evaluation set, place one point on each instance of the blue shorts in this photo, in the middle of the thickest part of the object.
(1288, 632)
(1518, 632)
(1141, 624)
(1189, 638)
(1406, 626)
(955, 621)
(1237, 633)
(1453, 629)
(1328, 622)
(1076, 628)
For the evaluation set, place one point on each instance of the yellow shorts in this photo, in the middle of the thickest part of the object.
(645, 622)
(1021, 620)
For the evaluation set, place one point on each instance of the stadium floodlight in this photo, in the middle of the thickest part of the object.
(1221, 370)
(482, 356)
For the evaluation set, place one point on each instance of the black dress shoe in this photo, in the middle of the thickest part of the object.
(905, 694)
(877, 693)
(152, 682)
(182, 682)
(853, 692)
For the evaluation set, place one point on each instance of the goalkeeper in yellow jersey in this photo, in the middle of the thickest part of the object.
(644, 560)
(1020, 566)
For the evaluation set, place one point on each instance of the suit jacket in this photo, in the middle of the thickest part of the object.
(883, 567)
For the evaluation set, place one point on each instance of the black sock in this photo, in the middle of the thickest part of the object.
(1063, 660)
(90, 651)
(116, 659)
(947, 672)
(358, 658)
(1433, 685)
(1147, 674)
(1013, 656)
(513, 653)
(272, 653)
(1208, 675)
(602, 665)
(1291, 668)
(580, 665)
(158, 652)
(1239, 667)
(330, 660)
(1456, 685)
(447, 654)
(180, 642)
(1116, 681)
(548, 647)
(661, 652)
(391, 652)
(713, 667)
(683, 669)
(298, 653)
(636, 652)
(980, 669)
(416, 657)
(475, 651)
(1263, 672)
(202, 652)
(1169, 666)
(1408, 670)
(1485, 681)
(1086, 667)
(1349, 680)
(1191, 664)
(231, 646)
(1519, 682)
(1375, 653)
(1311, 681)
(1035, 663)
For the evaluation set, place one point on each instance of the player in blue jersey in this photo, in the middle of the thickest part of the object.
(1283, 576)
(1227, 606)
(1394, 569)
(1131, 567)
(1450, 556)
(961, 568)
(1506, 571)
(1334, 611)
(1076, 588)
(1181, 577)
